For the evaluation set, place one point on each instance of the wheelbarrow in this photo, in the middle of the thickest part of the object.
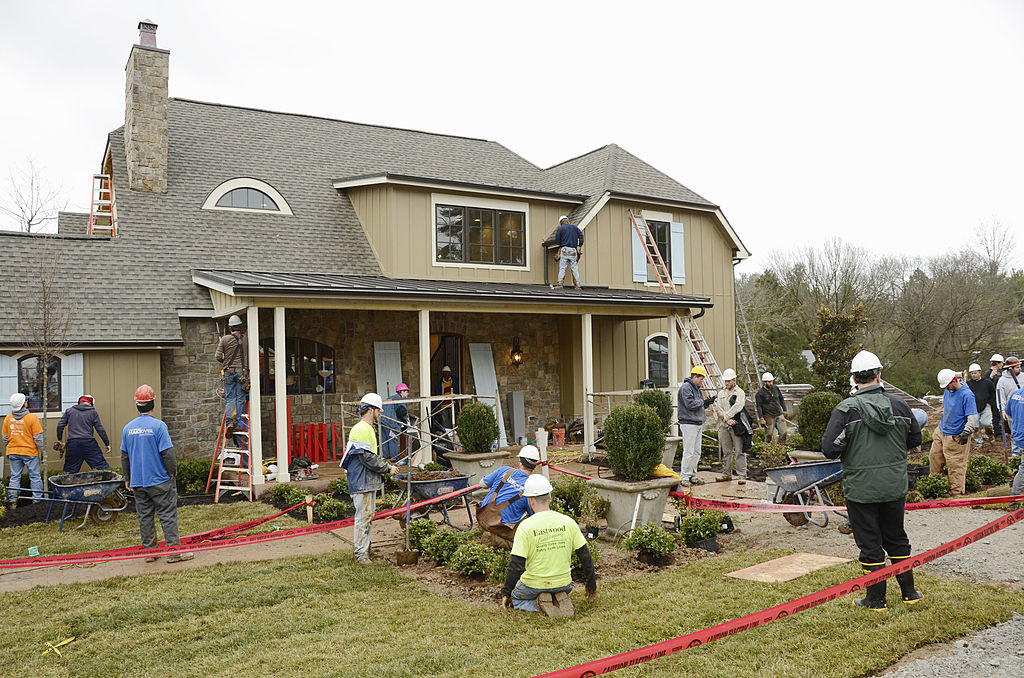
(428, 489)
(804, 483)
(99, 490)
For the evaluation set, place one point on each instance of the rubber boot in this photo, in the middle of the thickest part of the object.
(906, 581)
(875, 598)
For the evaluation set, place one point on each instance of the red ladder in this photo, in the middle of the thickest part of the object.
(233, 460)
(102, 213)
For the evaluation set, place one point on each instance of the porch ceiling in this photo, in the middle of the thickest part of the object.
(323, 286)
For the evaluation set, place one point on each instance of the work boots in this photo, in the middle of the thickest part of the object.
(875, 598)
(906, 581)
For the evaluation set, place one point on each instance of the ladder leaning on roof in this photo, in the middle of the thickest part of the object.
(686, 326)
(102, 213)
(746, 357)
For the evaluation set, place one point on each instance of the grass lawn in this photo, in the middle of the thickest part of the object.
(124, 530)
(325, 615)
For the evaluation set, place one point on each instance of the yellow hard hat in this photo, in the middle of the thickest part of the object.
(699, 369)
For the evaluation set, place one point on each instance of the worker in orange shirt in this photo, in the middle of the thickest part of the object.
(23, 440)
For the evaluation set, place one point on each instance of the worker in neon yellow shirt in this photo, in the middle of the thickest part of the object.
(539, 576)
(364, 469)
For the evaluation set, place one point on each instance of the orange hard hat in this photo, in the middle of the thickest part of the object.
(145, 394)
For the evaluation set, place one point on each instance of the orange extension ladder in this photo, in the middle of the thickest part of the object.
(102, 212)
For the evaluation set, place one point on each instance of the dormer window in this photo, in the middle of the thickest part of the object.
(246, 194)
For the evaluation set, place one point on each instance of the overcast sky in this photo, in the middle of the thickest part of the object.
(896, 125)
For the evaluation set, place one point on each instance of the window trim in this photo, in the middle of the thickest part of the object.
(647, 357)
(247, 182)
(472, 202)
(651, 215)
(60, 385)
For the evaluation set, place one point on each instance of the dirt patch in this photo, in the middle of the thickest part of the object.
(434, 475)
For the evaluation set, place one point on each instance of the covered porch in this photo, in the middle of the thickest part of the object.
(532, 346)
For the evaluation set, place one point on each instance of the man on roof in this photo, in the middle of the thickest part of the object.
(569, 241)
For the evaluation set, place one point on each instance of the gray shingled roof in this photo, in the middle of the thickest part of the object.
(129, 289)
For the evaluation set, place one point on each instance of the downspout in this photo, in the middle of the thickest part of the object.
(703, 310)
(546, 266)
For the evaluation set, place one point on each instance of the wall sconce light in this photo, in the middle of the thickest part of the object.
(517, 352)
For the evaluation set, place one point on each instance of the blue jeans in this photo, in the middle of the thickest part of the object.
(1018, 480)
(35, 476)
(83, 449)
(567, 257)
(233, 395)
(390, 445)
(525, 597)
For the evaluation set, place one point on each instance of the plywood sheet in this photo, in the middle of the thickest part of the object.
(786, 568)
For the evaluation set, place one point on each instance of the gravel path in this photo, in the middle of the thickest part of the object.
(997, 652)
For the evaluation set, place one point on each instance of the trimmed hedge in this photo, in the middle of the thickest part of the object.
(477, 427)
(659, 401)
(813, 415)
(634, 438)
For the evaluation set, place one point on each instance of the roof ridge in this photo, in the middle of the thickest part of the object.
(347, 122)
(612, 166)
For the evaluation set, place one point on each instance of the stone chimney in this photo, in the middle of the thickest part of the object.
(145, 113)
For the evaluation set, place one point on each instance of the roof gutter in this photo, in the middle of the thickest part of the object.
(428, 182)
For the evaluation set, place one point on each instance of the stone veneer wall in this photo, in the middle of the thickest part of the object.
(192, 407)
(145, 118)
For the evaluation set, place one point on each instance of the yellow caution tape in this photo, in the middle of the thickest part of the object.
(50, 647)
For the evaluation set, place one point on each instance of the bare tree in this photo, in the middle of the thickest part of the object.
(31, 201)
(995, 243)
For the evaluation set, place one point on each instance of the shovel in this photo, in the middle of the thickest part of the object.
(408, 556)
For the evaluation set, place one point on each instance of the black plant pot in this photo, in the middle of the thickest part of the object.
(709, 544)
(592, 532)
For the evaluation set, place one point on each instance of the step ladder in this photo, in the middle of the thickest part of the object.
(102, 213)
(233, 459)
(745, 354)
(686, 326)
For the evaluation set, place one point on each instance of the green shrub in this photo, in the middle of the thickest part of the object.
(441, 545)
(813, 415)
(433, 466)
(477, 428)
(286, 494)
(757, 437)
(659, 401)
(192, 475)
(989, 472)
(933, 486)
(926, 435)
(575, 498)
(473, 560)
(338, 486)
(774, 454)
(634, 439)
(328, 509)
(595, 556)
(419, 530)
(1014, 463)
(652, 541)
(795, 440)
(499, 566)
(972, 482)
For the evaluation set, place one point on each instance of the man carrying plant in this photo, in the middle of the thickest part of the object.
(871, 432)
(985, 395)
(728, 405)
(538, 578)
(505, 504)
(771, 407)
(364, 469)
(951, 443)
(691, 403)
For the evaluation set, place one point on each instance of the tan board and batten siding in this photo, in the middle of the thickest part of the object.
(399, 223)
(112, 377)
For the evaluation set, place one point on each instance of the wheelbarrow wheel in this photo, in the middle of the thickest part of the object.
(104, 514)
(794, 519)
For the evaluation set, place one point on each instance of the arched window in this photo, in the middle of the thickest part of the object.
(304, 359)
(657, 359)
(246, 194)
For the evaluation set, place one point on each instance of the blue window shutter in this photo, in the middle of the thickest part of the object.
(678, 253)
(8, 382)
(639, 258)
(72, 380)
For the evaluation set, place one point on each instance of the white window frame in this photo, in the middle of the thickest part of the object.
(651, 215)
(481, 203)
(647, 359)
(247, 182)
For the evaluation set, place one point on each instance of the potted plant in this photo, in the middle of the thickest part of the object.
(701, 529)
(477, 429)
(661, 402)
(635, 439)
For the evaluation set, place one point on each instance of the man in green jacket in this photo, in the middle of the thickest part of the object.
(871, 432)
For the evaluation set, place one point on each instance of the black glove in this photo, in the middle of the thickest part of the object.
(964, 437)
(708, 402)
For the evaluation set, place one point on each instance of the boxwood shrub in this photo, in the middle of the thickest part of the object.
(634, 438)
(659, 401)
(813, 415)
(477, 428)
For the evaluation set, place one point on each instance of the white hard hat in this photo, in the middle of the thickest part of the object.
(234, 321)
(536, 486)
(729, 373)
(921, 416)
(996, 358)
(17, 401)
(945, 376)
(529, 452)
(563, 217)
(767, 376)
(864, 361)
(975, 367)
(373, 400)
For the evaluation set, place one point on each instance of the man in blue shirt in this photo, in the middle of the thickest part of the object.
(569, 240)
(952, 440)
(147, 461)
(1015, 408)
(504, 506)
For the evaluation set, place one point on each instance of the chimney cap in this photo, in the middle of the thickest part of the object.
(147, 33)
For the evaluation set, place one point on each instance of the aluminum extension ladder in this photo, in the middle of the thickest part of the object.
(233, 459)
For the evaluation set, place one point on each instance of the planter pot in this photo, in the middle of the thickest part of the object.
(592, 532)
(668, 455)
(709, 544)
(476, 466)
(645, 498)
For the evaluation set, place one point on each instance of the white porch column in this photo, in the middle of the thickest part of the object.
(673, 366)
(252, 316)
(426, 451)
(588, 384)
(281, 395)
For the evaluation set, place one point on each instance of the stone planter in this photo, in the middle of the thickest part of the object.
(668, 455)
(476, 466)
(622, 497)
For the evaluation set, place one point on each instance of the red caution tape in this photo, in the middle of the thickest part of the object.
(563, 470)
(725, 505)
(667, 647)
(132, 552)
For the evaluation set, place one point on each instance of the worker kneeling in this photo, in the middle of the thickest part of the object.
(505, 506)
(539, 577)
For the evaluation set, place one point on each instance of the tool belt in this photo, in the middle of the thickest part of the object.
(489, 515)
